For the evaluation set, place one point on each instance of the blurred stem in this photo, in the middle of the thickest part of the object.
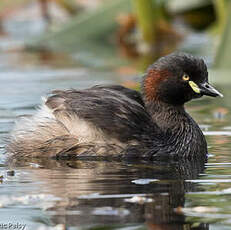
(221, 12)
(44, 10)
(223, 55)
(147, 14)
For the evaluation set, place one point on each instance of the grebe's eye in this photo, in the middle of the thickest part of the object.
(185, 77)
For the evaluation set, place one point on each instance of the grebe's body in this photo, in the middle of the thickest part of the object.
(119, 122)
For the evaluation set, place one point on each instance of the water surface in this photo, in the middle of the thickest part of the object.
(104, 194)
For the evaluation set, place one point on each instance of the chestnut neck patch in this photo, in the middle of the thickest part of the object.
(151, 83)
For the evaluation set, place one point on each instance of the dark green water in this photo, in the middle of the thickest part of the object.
(108, 195)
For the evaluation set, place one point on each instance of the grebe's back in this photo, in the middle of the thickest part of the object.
(102, 121)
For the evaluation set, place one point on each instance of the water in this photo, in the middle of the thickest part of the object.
(104, 194)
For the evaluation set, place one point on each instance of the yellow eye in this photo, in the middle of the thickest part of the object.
(185, 77)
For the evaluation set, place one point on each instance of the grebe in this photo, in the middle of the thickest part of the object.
(114, 121)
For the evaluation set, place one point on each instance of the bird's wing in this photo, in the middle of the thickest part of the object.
(115, 110)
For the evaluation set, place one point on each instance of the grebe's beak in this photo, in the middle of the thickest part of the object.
(205, 89)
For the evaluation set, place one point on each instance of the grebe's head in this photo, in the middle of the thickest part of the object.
(176, 79)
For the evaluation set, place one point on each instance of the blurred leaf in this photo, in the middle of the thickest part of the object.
(69, 5)
(178, 6)
(5, 5)
(88, 27)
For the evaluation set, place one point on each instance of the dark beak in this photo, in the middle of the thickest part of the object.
(207, 89)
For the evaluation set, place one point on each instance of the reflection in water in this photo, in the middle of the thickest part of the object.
(114, 193)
